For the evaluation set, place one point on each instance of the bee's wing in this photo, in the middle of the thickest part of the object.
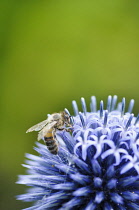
(38, 126)
(45, 130)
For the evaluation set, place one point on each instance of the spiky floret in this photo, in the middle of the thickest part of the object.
(98, 168)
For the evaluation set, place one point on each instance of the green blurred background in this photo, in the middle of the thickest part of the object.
(52, 52)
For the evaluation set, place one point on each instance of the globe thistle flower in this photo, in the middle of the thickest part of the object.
(97, 166)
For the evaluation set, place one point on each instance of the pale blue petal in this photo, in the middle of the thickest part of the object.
(107, 153)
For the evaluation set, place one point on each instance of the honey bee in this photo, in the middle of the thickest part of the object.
(47, 129)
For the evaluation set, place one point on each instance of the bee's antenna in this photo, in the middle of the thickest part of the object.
(71, 118)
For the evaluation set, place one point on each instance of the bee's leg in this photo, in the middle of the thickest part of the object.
(54, 133)
(60, 128)
(68, 129)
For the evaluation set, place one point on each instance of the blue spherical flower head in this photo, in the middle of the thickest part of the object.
(97, 166)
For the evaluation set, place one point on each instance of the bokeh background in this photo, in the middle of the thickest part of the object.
(52, 52)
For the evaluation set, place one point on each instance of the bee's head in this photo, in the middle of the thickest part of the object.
(68, 120)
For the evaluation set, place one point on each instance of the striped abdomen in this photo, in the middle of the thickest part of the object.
(51, 142)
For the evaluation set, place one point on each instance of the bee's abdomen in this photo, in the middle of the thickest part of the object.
(51, 144)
